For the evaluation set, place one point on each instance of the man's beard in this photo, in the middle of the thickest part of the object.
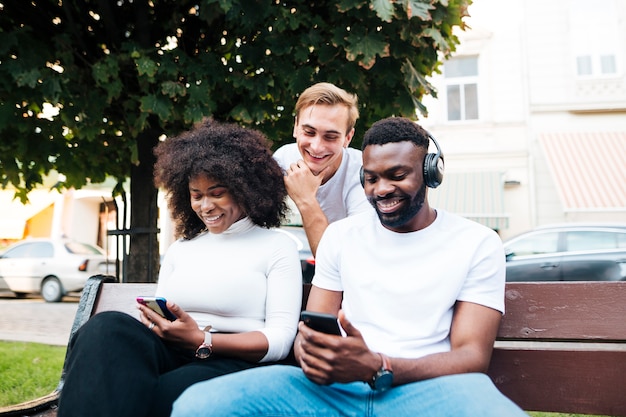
(405, 214)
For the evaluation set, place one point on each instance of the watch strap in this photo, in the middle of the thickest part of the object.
(386, 363)
(206, 348)
(383, 378)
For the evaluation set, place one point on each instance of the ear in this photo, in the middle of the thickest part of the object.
(295, 127)
(349, 137)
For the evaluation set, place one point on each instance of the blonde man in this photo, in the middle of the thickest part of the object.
(321, 171)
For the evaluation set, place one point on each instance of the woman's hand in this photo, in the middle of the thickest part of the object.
(183, 331)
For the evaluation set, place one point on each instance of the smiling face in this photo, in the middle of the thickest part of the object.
(321, 134)
(394, 185)
(214, 204)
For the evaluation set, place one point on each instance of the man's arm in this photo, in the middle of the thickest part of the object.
(324, 301)
(314, 222)
(327, 359)
(473, 332)
(302, 187)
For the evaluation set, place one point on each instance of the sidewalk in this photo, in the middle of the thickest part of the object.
(34, 320)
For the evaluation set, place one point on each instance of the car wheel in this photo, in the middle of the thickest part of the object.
(51, 290)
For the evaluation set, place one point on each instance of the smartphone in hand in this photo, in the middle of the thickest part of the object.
(321, 322)
(158, 305)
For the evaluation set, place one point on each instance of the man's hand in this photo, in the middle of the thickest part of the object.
(325, 359)
(301, 183)
(302, 186)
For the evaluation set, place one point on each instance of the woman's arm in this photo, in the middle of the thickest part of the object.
(284, 300)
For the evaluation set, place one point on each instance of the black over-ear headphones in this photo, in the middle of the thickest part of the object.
(433, 167)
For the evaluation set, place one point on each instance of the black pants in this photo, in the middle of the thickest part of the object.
(116, 367)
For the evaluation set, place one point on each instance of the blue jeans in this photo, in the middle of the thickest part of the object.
(281, 391)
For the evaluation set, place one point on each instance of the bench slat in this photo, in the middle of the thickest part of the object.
(583, 382)
(122, 297)
(565, 311)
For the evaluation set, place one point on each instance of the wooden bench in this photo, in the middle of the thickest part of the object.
(561, 346)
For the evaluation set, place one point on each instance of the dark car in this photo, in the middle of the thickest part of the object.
(307, 261)
(569, 252)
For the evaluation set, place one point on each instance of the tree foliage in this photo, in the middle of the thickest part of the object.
(124, 73)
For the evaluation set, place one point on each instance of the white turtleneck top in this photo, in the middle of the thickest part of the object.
(245, 279)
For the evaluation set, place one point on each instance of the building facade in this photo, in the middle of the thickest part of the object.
(531, 114)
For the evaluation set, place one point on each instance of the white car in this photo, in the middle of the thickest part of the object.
(51, 267)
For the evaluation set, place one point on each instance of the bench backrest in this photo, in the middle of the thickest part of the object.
(561, 346)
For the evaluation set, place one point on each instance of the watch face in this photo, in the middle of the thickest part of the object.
(383, 380)
(203, 352)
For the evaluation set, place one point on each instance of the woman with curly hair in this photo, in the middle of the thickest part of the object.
(233, 284)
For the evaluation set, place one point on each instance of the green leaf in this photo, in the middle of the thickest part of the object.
(105, 70)
(193, 114)
(414, 80)
(440, 41)
(146, 66)
(241, 114)
(366, 48)
(28, 78)
(173, 89)
(156, 105)
(420, 9)
(384, 9)
(114, 89)
(138, 124)
(52, 89)
(346, 5)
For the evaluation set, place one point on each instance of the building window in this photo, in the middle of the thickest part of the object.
(607, 64)
(461, 76)
(594, 37)
(583, 65)
(589, 65)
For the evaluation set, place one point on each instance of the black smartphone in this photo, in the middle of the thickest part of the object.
(322, 322)
(158, 305)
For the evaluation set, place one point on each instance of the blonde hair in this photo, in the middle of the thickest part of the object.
(329, 94)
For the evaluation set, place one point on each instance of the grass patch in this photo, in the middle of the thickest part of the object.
(29, 371)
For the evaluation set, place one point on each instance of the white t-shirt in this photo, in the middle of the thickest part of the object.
(342, 195)
(399, 289)
(244, 279)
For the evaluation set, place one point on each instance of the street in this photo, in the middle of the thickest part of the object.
(33, 320)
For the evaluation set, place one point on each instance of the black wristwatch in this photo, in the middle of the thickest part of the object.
(206, 348)
(383, 378)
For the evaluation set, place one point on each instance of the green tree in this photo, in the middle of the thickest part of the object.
(123, 74)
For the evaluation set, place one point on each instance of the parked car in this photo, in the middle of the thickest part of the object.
(50, 267)
(568, 252)
(307, 261)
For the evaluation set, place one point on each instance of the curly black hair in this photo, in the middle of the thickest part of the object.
(232, 155)
(395, 129)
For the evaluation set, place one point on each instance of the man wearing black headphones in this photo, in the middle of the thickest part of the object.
(418, 292)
